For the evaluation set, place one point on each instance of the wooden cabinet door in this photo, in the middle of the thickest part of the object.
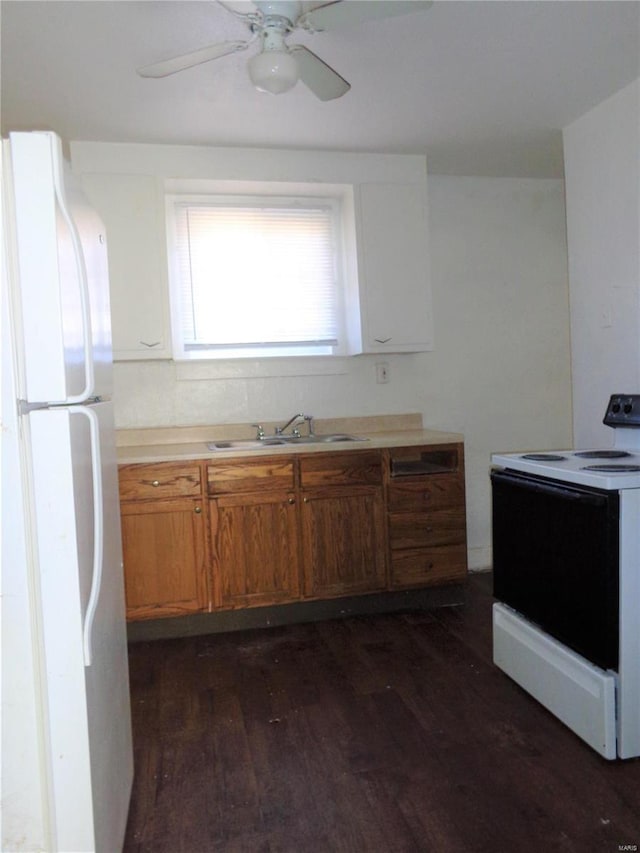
(255, 549)
(164, 549)
(344, 542)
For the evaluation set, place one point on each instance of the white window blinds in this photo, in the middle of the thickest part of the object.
(258, 272)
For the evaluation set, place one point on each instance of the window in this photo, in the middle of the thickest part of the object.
(256, 275)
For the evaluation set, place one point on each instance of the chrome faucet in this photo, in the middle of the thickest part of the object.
(298, 417)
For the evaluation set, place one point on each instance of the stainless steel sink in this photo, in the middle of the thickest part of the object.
(325, 439)
(244, 444)
(291, 440)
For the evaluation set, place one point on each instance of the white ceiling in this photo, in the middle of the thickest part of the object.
(481, 87)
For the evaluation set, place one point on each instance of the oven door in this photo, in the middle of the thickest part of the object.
(556, 560)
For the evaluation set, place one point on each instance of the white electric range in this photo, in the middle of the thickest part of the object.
(616, 467)
(566, 555)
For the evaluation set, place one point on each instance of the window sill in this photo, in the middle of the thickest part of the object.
(192, 371)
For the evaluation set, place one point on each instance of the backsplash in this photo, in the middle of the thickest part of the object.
(151, 394)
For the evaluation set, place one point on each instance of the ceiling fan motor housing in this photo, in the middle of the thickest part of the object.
(291, 11)
(274, 69)
(273, 34)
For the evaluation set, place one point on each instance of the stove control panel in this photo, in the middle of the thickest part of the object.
(623, 411)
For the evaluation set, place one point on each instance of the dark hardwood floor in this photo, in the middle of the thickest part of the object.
(372, 734)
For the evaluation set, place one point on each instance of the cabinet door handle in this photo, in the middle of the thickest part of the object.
(155, 483)
(292, 500)
(382, 340)
(198, 510)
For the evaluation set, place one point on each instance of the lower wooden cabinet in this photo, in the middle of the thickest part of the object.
(165, 557)
(255, 549)
(237, 533)
(426, 516)
(344, 543)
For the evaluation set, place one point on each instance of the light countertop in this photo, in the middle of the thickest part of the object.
(173, 444)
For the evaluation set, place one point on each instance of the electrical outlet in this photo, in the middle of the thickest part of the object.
(382, 372)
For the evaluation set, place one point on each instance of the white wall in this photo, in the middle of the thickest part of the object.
(602, 167)
(500, 371)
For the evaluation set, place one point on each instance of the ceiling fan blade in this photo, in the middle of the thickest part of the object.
(324, 82)
(348, 13)
(187, 60)
(239, 7)
(246, 10)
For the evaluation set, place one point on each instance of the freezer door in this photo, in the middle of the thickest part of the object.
(82, 610)
(62, 286)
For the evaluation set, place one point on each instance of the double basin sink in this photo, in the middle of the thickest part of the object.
(279, 440)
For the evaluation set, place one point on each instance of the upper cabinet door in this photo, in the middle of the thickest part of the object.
(393, 259)
(131, 208)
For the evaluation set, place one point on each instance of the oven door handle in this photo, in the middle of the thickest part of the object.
(535, 484)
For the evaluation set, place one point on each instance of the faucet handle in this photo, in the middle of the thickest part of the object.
(260, 429)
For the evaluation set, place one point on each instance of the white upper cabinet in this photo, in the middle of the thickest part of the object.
(387, 276)
(393, 262)
(131, 209)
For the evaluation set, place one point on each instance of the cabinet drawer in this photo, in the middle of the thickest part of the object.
(168, 480)
(255, 476)
(433, 492)
(341, 469)
(423, 530)
(424, 566)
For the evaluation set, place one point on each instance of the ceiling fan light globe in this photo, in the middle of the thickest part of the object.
(273, 71)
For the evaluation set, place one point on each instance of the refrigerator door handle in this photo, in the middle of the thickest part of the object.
(85, 305)
(98, 528)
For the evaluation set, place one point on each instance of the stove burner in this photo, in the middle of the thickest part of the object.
(544, 457)
(612, 469)
(602, 454)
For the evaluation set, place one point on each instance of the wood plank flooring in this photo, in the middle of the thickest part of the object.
(372, 734)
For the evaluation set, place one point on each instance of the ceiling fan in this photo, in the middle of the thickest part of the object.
(278, 66)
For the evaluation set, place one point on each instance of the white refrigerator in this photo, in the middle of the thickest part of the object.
(67, 760)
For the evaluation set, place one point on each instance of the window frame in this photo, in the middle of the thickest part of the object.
(339, 197)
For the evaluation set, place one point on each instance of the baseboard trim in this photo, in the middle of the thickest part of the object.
(299, 611)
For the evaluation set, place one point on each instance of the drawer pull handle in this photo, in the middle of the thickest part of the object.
(155, 483)
(198, 510)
